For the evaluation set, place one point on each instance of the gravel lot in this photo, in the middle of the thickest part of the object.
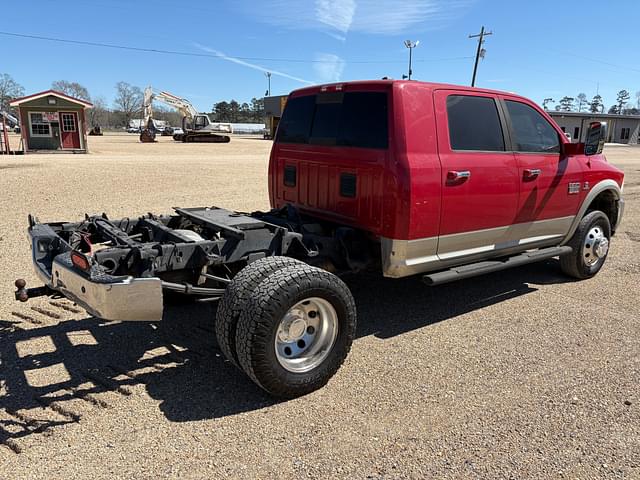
(520, 374)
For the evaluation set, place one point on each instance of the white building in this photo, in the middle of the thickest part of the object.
(621, 128)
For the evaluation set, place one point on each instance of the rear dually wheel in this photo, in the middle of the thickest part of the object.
(296, 330)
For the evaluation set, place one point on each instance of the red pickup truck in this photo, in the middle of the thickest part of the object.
(396, 177)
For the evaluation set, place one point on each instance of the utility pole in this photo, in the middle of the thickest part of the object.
(479, 52)
(268, 75)
(410, 45)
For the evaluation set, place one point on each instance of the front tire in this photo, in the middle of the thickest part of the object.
(296, 330)
(590, 244)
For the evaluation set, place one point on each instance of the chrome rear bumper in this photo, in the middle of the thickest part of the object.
(107, 297)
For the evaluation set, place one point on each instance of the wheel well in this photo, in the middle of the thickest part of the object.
(607, 203)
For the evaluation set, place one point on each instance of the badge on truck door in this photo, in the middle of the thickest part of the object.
(574, 187)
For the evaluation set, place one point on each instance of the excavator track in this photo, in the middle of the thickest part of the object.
(204, 138)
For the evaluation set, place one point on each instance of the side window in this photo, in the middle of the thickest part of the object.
(531, 131)
(474, 123)
(296, 119)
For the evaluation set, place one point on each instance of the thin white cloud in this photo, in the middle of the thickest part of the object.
(337, 14)
(226, 57)
(340, 17)
(328, 67)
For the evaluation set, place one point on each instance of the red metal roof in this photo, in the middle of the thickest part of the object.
(55, 93)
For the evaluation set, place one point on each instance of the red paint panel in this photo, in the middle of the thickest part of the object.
(317, 189)
(489, 197)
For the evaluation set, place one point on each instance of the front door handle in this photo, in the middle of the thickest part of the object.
(531, 173)
(455, 175)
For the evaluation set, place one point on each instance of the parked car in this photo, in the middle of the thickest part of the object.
(396, 178)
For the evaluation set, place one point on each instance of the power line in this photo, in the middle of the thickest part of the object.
(206, 55)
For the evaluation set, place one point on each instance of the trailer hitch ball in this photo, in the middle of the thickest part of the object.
(21, 293)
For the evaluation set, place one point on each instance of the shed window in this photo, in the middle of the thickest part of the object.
(39, 127)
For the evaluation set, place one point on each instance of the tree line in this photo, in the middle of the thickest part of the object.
(580, 103)
(127, 105)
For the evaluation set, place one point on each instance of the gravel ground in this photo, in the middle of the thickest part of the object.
(521, 374)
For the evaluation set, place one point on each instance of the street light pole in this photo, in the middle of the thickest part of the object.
(268, 74)
(410, 45)
(479, 52)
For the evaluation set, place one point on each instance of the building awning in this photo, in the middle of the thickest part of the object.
(18, 101)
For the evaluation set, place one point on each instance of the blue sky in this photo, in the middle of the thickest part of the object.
(538, 48)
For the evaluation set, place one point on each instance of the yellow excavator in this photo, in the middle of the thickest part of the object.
(196, 127)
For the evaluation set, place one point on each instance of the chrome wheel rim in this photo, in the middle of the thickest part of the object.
(306, 334)
(595, 246)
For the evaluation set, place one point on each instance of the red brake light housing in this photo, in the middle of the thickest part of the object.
(80, 261)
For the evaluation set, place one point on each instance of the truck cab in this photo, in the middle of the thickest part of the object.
(440, 175)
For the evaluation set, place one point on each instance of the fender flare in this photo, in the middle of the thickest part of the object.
(599, 187)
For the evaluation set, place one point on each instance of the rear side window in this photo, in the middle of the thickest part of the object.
(326, 119)
(296, 121)
(352, 119)
(364, 120)
(474, 123)
(531, 131)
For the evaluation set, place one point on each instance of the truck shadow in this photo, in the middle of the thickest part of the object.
(178, 363)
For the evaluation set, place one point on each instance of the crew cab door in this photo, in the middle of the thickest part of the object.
(550, 182)
(480, 178)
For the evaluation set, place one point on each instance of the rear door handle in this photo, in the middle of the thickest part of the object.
(531, 173)
(455, 175)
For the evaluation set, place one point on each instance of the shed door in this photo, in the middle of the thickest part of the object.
(69, 129)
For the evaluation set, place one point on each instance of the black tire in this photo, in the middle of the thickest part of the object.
(574, 264)
(235, 298)
(267, 306)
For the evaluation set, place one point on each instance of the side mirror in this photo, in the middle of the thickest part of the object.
(595, 138)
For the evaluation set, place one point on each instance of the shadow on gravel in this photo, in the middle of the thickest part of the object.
(179, 362)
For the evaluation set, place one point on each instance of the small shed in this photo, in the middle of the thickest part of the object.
(52, 120)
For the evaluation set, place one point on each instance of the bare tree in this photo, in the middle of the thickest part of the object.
(99, 115)
(128, 100)
(170, 116)
(9, 89)
(73, 89)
